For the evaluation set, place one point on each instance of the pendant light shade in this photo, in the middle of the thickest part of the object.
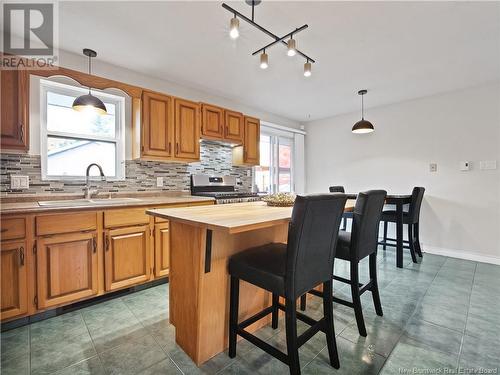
(89, 102)
(234, 28)
(307, 69)
(362, 126)
(292, 47)
(264, 60)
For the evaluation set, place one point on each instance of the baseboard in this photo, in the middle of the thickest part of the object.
(460, 254)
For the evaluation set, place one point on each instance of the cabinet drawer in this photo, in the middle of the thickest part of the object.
(67, 223)
(125, 217)
(13, 228)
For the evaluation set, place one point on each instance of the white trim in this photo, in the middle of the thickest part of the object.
(460, 254)
(281, 127)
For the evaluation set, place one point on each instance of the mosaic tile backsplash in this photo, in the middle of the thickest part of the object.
(139, 175)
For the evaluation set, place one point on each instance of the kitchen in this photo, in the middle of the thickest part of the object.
(123, 231)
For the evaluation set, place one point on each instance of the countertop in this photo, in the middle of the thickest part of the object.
(232, 218)
(11, 206)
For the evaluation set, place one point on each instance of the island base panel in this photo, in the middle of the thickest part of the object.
(199, 301)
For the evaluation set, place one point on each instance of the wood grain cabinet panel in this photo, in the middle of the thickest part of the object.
(187, 130)
(157, 125)
(66, 268)
(14, 109)
(14, 289)
(212, 122)
(162, 249)
(233, 130)
(249, 153)
(127, 257)
(66, 223)
(13, 228)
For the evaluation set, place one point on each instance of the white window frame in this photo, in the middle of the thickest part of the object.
(118, 139)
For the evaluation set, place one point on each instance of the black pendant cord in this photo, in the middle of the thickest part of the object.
(362, 108)
(90, 70)
(253, 10)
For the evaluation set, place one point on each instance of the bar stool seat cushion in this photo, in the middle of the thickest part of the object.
(263, 266)
(391, 216)
(343, 245)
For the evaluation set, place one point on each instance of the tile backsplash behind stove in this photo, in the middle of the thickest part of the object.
(139, 175)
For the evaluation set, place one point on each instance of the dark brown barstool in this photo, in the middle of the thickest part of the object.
(289, 271)
(411, 218)
(356, 245)
(346, 215)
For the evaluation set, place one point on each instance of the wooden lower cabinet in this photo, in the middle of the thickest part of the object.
(66, 268)
(127, 257)
(14, 287)
(162, 249)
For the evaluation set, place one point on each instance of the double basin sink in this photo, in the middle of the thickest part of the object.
(86, 202)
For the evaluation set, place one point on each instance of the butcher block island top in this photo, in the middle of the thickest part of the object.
(202, 240)
(232, 218)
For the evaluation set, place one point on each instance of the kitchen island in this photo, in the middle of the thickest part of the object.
(202, 239)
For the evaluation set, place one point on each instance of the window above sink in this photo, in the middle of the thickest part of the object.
(72, 140)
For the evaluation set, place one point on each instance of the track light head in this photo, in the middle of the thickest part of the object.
(307, 69)
(264, 60)
(292, 47)
(234, 28)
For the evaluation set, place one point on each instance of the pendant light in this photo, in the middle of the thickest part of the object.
(292, 47)
(234, 28)
(264, 60)
(89, 102)
(307, 69)
(362, 126)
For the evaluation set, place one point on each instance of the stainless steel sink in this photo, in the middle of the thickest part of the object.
(86, 202)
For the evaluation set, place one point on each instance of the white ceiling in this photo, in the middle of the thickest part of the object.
(397, 50)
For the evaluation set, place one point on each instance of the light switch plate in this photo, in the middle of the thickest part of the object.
(159, 181)
(433, 167)
(488, 164)
(19, 182)
(465, 166)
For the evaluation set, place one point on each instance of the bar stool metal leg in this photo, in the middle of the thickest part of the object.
(329, 325)
(291, 336)
(356, 300)
(233, 314)
(385, 236)
(374, 287)
(274, 317)
(411, 242)
(417, 240)
(303, 302)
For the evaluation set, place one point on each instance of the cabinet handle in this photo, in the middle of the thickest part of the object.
(169, 147)
(107, 243)
(3, 230)
(177, 147)
(94, 245)
(225, 131)
(21, 255)
(21, 132)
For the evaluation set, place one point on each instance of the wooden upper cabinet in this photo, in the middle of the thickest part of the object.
(14, 287)
(14, 109)
(212, 122)
(66, 268)
(157, 125)
(127, 258)
(233, 126)
(187, 130)
(162, 249)
(251, 149)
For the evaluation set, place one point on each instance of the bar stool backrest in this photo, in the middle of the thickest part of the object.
(366, 219)
(336, 189)
(417, 196)
(312, 238)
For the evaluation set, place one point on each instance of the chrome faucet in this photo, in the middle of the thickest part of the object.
(89, 192)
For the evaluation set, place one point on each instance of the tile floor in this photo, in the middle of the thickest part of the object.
(442, 313)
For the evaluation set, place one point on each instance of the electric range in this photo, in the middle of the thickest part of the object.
(222, 188)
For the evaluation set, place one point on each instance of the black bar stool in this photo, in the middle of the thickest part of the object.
(345, 215)
(411, 218)
(356, 245)
(290, 270)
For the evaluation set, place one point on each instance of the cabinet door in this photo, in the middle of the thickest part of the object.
(212, 122)
(14, 287)
(187, 130)
(14, 109)
(127, 257)
(66, 268)
(233, 130)
(252, 141)
(158, 129)
(162, 249)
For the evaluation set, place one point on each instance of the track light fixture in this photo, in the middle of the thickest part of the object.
(287, 39)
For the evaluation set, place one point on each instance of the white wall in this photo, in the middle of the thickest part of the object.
(461, 210)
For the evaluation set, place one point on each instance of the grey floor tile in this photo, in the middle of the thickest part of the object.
(412, 357)
(165, 367)
(434, 336)
(487, 326)
(453, 317)
(479, 353)
(354, 359)
(133, 356)
(115, 333)
(58, 328)
(61, 354)
(15, 343)
(16, 366)
(91, 366)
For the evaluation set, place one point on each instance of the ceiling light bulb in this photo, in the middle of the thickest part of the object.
(307, 69)
(292, 47)
(264, 60)
(234, 27)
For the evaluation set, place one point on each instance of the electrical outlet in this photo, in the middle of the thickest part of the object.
(19, 182)
(249, 173)
(465, 166)
(433, 167)
(159, 181)
(488, 165)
